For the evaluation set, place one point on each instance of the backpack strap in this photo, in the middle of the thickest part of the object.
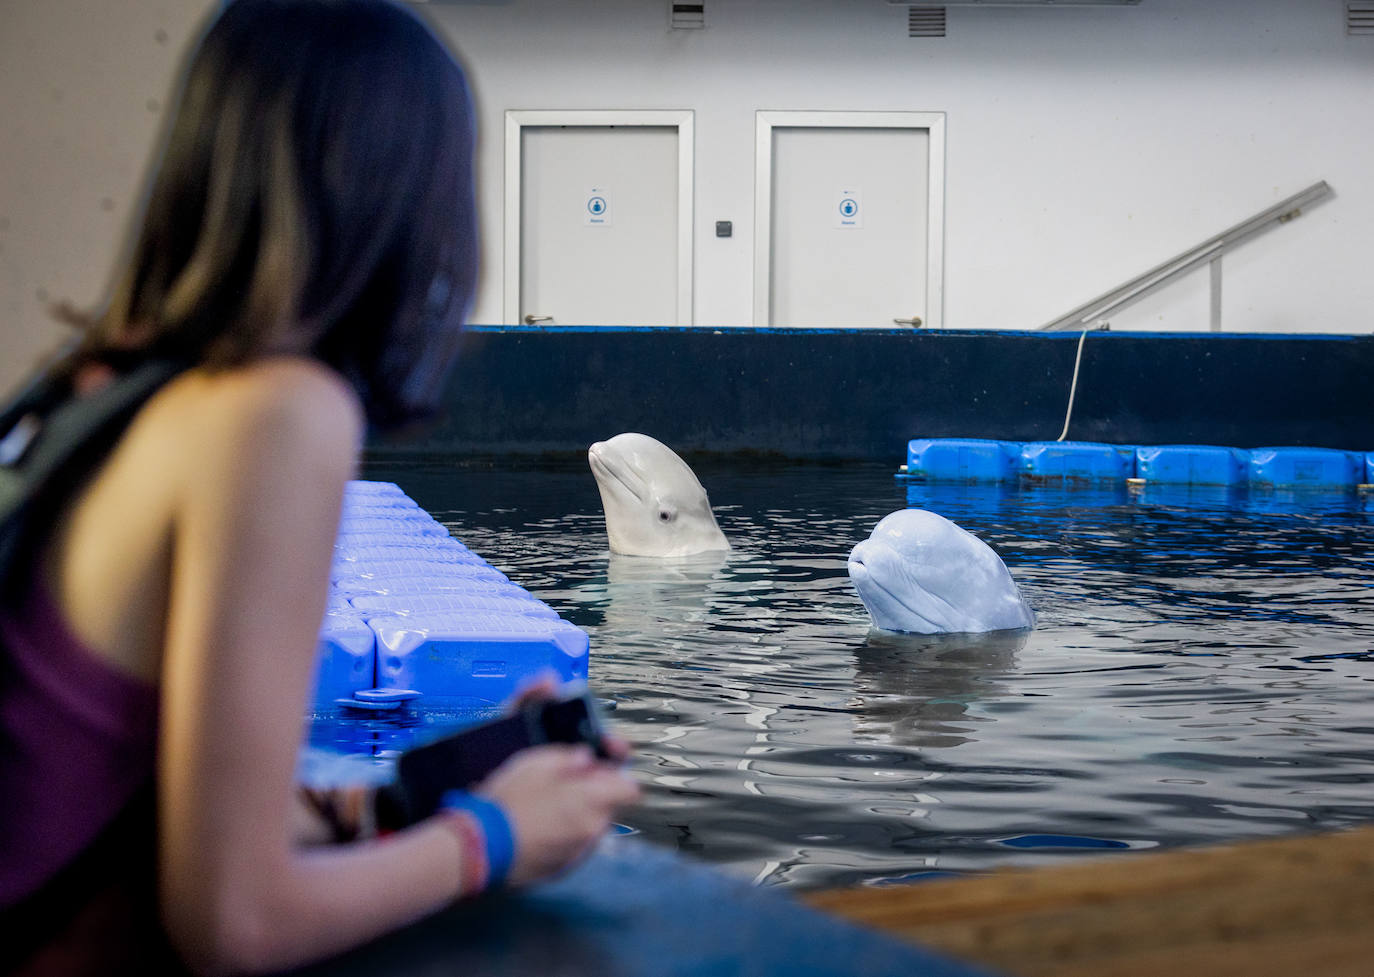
(51, 440)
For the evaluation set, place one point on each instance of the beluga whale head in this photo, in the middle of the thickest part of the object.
(653, 502)
(919, 572)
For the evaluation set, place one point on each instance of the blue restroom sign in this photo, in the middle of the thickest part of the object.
(849, 209)
(596, 212)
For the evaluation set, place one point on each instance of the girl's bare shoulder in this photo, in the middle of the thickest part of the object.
(288, 407)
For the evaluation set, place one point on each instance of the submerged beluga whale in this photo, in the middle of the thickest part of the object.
(918, 572)
(653, 502)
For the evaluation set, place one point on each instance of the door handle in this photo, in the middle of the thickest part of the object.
(531, 319)
(914, 321)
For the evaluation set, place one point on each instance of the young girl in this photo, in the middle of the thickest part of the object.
(309, 251)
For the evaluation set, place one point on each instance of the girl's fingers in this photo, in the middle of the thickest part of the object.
(618, 747)
(541, 688)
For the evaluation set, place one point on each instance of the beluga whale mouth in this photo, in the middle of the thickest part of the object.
(613, 474)
(920, 573)
(653, 502)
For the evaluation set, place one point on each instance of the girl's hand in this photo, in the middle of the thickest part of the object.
(560, 800)
(545, 687)
(541, 688)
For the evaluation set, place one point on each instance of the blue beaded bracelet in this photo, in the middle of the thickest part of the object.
(496, 831)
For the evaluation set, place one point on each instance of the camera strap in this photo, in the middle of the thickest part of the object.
(51, 439)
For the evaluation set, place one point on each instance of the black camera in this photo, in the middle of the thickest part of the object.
(459, 761)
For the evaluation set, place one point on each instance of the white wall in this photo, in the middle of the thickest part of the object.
(82, 90)
(1084, 145)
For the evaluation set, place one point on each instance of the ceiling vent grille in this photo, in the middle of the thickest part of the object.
(1359, 18)
(687, 16)
(925, 22)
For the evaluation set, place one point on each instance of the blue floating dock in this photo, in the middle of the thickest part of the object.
(346, 656)
(1088, 462)
(1321, 468)
(424, 549)
(963, 459)
(390, 526)
(412, 608)
(384, 506)
(1192, 464)
(382, 570)
(1077, 461)
(404, 605)
(366, 492)
(474, 660)
(421, 583)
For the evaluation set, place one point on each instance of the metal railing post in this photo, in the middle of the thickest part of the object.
(1209, 251)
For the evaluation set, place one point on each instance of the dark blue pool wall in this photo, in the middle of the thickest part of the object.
(819, 394)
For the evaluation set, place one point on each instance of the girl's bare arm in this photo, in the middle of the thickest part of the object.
(254, 525)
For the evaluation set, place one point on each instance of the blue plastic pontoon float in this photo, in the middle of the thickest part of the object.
(413, 613)
(1084, 462)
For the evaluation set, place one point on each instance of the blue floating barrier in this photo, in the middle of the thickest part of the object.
(387, 695)
(382, 569)
(1192, 464)
(1084, 462)
(467, 658)
(962, 459)
(413, 583)
(356, 540)
(1077, 461)
(345, 656)
(455, 628)
(360, 489)
(365, 705)
(433, 549)
(338, 604)
(407, 605)
(383, 506)
(403, 525)
(1315, 468)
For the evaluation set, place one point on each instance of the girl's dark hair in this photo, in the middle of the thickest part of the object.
(315, 197)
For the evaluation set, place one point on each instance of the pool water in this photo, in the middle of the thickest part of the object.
(1202, 669)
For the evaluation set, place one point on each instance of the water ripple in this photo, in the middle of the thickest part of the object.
(1200, 670)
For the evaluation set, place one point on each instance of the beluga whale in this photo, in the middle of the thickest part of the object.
(653, 502)
(920, 573)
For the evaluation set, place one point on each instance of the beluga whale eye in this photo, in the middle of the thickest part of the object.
(665, 515)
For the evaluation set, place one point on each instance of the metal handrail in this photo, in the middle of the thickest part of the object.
(1088, 314)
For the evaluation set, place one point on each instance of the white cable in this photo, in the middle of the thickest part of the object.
(1073, 387)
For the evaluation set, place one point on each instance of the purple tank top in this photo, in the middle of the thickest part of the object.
(77, 739)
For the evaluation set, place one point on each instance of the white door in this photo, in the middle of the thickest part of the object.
(851, 237)
(600, 226)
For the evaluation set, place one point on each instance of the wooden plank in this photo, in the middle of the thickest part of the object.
(1255, 909)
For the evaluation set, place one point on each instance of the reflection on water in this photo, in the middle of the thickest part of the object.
(924, 690)
(1200, 670)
